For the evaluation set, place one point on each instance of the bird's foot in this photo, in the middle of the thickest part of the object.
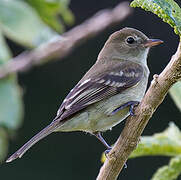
(131, 109)
(107, 151)
(98, 135)
(132, 104)
(125, 165)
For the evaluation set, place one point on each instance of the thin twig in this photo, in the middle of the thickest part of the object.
(135, 125)
(60, 47)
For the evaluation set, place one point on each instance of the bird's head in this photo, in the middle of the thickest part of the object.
(128, 44)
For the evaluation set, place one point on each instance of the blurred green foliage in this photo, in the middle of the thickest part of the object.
(166, 143)
(11, 105)
(175, 92)
(29, 23)
(21, 23)
(51, 11)
(3, 144)
(169, 172)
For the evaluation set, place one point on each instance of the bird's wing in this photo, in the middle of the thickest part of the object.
(100, 86)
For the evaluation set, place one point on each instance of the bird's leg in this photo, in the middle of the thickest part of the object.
(98, 135)
(132, 104)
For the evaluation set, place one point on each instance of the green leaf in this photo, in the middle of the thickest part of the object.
(175, 92)
(66, 14)
(11, 106)
(5, 53)
(50, 10)
(166, 143)
(170, 172)
(21, 23)
(3, 144)
(168, 10)
(11, 109)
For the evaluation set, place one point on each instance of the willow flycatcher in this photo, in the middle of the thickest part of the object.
(108, 92)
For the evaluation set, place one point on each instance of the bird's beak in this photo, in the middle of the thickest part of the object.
(152, 42)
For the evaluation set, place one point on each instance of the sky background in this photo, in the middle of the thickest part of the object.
(67, 156)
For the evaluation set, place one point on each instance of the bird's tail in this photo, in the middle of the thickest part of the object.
(43, 133)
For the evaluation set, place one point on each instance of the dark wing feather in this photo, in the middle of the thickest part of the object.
(97, 87)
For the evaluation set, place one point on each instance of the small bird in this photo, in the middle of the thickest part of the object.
(107, 93)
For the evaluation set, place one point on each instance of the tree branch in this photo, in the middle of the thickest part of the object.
(135, 125)
(61, 47)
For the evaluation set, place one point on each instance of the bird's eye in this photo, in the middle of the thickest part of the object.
(130, 40)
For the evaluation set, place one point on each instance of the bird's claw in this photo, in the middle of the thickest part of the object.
(106, 152)
(131, 109)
